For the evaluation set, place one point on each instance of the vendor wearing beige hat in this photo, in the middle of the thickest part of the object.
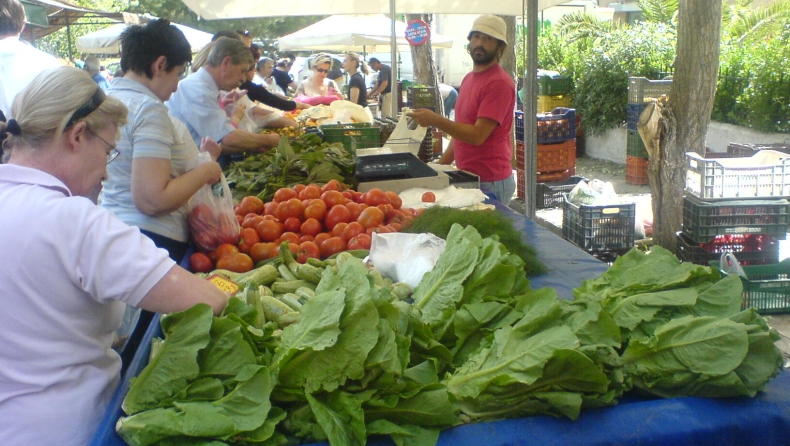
(483, 114)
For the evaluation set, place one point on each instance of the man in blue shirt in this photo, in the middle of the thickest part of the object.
(196, 102)
(93, 66)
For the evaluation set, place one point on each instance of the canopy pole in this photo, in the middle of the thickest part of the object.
(68, 36)
(530, 112)
(395, 100)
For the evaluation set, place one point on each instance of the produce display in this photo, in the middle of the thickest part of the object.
(349, 354)
(318, 221)
(305, 159)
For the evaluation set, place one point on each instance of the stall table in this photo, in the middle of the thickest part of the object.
(643, 421)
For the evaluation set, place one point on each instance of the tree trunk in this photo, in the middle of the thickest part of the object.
(684, 120)
(508, 60)
(424, 65)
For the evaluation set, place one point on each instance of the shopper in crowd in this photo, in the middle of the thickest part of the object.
(484, 113)
(93, 67)
(284, 80)
(382, 89)
(19, 62)
(195, 102)
(75, 265)
(262, 94)
(449, 97)
(156, 173)
(355, 67)
(318, 84)
(263, 76)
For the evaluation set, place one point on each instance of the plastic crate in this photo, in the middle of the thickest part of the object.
(767, 288)
(557, 126)
(703, 221)
(641, 89)
(599, 227)
(519, 118)
(633, 114)
(364, 135)
(549, 103)
(765, 174)
(549, 195)
(554, 86)
(744, 247)
(421, 97)
(556, 157)
(740, 150)
(551, 177)
(634, 146)
(636, 170)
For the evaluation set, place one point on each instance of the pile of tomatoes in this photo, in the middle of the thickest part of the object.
(317, 221)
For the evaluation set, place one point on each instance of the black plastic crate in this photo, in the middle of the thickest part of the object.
(519, 125)
(422, 97)
(549, 195)
(599, 228)
(633, 114)
(704, 220)
(702, 254)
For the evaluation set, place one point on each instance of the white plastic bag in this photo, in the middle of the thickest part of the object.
(730, 265)
(595, 192)
(211, 218)
(405, 257)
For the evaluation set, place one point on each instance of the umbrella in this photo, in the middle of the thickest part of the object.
(108, 40)
(367, 33)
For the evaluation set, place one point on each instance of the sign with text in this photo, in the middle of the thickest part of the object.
(417, 32)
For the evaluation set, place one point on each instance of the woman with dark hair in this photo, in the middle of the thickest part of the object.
(156, 174)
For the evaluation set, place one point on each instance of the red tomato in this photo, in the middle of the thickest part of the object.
(310, 192)
(332, 185)
(290, 237)
(238, 263)
(348, 195)
(292, 224)
(333, 198)
(316, 209)
(332, 246)
(270, 207)
(375, 197)
(355, 209)
(252, 222)
(249, 236)
(361, 241)
(394, 198)
(429, 197)
(261, 251)
(320, 238)
(371, 217)
(200, 263)
(352, 230)
(298, 188)
(224, 250)
(307, 250)
(388, 210)
(337, 231)
(250, 204)
(311, 226)
(269, 230)
(239, 219)
(305, 238)
(290, 208)
(338, 214)
(284, 194)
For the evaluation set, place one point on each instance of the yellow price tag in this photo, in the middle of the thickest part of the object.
(224, 284)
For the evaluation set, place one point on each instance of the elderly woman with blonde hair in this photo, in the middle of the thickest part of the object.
(318, 84)
(75, 265)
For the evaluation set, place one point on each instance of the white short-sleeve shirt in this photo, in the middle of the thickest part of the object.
(20, 63)
(196, 104)
(69, 267)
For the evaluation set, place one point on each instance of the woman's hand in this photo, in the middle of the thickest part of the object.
(238, 114)
(210, 172)
(302, 105)
(211, 146)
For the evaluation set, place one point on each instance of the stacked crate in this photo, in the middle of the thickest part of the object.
(554, 92)
(604, 231)
(641, 91)
(734, 204)
(556, 151)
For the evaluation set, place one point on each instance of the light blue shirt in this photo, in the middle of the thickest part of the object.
(196, 104)
(148, 133)
(99, 79)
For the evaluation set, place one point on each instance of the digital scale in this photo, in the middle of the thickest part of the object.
(403, 170)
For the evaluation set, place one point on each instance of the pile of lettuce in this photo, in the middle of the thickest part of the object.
(474, 342)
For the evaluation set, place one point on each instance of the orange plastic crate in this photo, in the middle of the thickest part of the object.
(557, 157)
(636, 170)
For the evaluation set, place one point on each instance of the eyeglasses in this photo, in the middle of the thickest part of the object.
(113, 153)
(322, 70)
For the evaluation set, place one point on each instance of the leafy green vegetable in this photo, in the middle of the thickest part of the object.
(438, 220)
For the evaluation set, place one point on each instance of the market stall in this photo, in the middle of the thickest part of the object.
(762, 420)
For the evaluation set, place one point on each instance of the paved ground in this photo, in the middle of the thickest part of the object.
(615, 173)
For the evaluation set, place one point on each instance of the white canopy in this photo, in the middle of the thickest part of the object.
(235, 9)
(370, 33)
(108, 40)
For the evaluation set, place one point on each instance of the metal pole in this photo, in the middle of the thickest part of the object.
(393, 59)
(68, 37)
(530, 113)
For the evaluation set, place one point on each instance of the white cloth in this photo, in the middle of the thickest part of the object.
(74, 266)
(385, 104)
(20, 63)
(148, 133)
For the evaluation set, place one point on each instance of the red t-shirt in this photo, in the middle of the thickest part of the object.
(488, 94)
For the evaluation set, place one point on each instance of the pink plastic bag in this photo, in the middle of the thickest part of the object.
(316, 100)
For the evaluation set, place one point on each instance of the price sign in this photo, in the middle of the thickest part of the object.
(224, 284)
(417, 32)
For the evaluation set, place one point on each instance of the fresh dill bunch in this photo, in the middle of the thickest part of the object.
(438, 219)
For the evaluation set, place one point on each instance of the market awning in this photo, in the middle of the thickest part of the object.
(108, 40)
